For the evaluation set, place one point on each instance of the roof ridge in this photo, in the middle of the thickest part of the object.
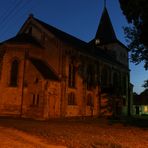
(46, 25)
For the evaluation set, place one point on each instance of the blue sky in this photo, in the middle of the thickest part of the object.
(79, 18)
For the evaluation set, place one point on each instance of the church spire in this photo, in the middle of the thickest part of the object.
(105, 32)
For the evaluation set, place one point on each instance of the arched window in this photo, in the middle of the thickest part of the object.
(14, 73)
(71, 99)
(90, 79)
(72, 75)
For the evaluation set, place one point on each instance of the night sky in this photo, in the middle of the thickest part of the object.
(79, 18)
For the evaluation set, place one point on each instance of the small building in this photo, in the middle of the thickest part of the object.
(140, 104)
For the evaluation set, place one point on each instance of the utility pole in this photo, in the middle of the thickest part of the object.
(23, 81)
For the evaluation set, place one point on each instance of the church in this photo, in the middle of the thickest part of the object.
(46, 73)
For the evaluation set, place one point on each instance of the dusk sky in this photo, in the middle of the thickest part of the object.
(79, 18)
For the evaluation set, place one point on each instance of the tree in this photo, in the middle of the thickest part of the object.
(145, 85)
(136, 13)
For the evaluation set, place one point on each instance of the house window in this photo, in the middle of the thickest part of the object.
(71, 99)
(72, 75)
(145, 108)
(90, 100)
(14, 73)
(35, 99)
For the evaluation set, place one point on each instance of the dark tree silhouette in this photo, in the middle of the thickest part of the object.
(136, 13)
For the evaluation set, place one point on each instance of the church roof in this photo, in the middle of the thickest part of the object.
(62, 35)
(23, 39)
(105, 32)
(84, 47)
(44, 69)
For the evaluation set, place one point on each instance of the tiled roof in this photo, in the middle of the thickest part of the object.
(44, 69)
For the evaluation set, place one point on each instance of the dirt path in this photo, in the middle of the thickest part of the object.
(11, 138)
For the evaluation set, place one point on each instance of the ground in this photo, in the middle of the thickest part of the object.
(98, 133)
(11, 138)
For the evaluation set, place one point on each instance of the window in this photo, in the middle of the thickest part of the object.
(145, 108)
(36, 80)
(90, 100)
(72, 75)
(35, 100)
(14, 73)
(71, 99)
(90, 79)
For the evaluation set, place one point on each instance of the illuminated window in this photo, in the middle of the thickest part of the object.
(145, 108)
(71, 99)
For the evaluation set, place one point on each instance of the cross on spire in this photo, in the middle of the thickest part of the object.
(104, 3)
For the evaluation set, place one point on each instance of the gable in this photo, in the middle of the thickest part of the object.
(43, 31)
(36, 30)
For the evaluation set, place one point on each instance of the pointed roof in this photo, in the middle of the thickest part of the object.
(105, 32)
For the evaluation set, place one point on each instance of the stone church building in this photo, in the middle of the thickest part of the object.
(47, 73)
